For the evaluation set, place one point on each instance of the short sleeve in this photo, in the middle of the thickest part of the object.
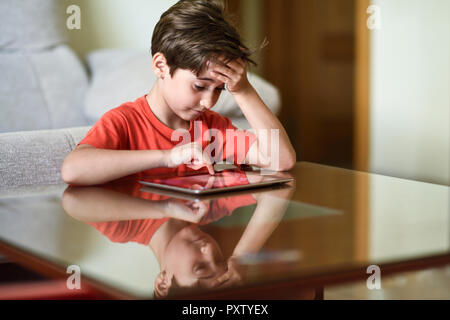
(110, 132)
(140, 231)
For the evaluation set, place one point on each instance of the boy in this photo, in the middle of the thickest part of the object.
(196, 53)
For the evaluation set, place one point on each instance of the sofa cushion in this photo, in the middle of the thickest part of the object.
(41, 89)
(35, 157)
(31, 24)
(119, 76)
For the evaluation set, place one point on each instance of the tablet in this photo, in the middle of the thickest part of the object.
(202, 184)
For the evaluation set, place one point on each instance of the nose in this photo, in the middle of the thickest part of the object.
(208, 101)
(207, 250)
(205, 103)
(205, 247)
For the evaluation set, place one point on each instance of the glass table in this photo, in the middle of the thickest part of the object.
(328, 226)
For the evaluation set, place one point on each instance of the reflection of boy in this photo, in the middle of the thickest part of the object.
(196, 52)
(142, 230)
(174, 241)
(188, 257)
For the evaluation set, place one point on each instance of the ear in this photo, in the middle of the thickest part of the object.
(160, 67)
(163, 283)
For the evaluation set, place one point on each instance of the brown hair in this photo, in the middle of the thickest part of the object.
(193, 32)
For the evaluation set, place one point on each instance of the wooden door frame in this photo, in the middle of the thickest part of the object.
(361, 144)
(361, 136)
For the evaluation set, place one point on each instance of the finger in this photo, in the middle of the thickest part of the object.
(243, 63)
(202, 205)
(237, 67)
(230, 66)
(196, 187)
(210, 169)
(196, 205)
(210, 182)
(187, 153)
(231, 74)
(221, 279)
(220, 77)
(225, 70)
(197, 155)
(200, 209)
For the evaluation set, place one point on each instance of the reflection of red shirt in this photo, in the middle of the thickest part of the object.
(222, 207)
(133, 126)
(141, 231)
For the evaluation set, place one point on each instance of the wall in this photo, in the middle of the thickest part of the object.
(410, 81)
(251, 29)
(129, 24)
(116, 24)
(409, 128)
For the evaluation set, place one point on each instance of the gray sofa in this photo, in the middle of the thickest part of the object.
(49, 98)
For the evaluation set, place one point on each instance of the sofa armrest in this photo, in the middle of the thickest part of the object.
(31, 158)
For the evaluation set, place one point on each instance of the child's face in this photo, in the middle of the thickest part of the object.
(194, 259)
(188, 95)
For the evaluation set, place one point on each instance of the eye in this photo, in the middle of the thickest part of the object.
(200, 88)
(199, 268)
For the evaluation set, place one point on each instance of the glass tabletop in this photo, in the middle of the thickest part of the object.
(145, 242)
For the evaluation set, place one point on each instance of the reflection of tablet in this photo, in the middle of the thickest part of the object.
(220, 182)
(212, 196)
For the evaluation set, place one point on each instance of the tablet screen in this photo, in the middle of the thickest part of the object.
(206, 181)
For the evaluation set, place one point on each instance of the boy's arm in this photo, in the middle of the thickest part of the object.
(259, 116)
(269, 212)
(87, 165)
(94, 204)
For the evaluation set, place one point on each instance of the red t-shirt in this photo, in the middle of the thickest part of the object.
(133, 126)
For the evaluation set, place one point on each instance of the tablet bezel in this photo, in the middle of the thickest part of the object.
(250, 185)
